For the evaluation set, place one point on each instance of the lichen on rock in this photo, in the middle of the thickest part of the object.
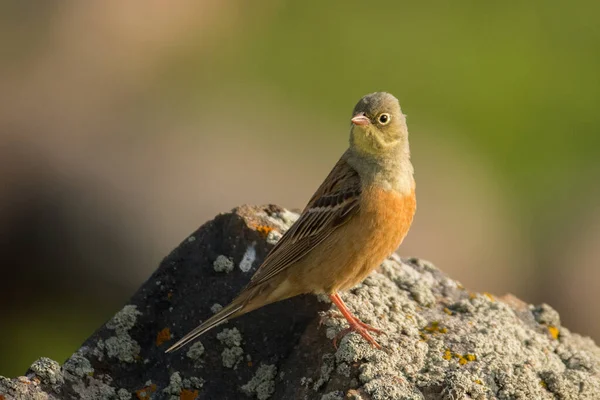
(440, 341)
(262, 383)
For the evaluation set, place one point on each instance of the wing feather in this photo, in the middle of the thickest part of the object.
(332, 205)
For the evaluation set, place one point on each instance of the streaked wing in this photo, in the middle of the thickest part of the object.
(332, 205)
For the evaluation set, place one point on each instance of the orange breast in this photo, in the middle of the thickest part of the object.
(350, 253)
(381, 225)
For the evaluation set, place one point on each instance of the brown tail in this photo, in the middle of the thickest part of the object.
(230, 311)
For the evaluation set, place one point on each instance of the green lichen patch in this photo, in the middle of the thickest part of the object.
(78, 365)
(47, 370)
(195, 353)
(262, 384)
(230, 337)
(121, 346)
(457, 345)
(223, 264)
(232, 356)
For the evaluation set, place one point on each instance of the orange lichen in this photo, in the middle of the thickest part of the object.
(554, 332)
(462, 358)
(489, 296)
(2, 397)
(435, 327)
(447, 355)
(465, 358)
(250, 363)
(264, 230)
(188, 394)
(146, 392)
(163, 336)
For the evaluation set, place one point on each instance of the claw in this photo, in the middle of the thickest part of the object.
(356, 325)
(364, 332)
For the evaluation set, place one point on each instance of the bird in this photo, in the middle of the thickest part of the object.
(358, 217)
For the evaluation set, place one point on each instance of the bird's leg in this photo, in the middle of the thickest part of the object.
(356, 325)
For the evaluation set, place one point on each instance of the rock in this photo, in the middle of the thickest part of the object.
(441, 341)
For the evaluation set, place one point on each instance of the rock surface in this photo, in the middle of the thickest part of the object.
(441, 341)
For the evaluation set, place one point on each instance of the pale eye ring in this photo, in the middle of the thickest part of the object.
(384, 118)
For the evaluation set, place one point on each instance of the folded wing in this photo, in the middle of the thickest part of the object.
(332, 205)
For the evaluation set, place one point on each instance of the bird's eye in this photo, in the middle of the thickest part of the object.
(384, 118)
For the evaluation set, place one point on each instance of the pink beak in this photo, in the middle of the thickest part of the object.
(360, 119)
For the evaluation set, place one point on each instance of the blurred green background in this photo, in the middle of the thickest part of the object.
(126, 125)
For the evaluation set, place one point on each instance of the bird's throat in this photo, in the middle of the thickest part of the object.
(390, 170)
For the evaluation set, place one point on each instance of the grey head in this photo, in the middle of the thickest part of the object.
(378, 125)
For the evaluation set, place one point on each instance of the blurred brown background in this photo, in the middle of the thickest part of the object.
(126, 125)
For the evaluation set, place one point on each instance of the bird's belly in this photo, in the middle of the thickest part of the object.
(361, 245)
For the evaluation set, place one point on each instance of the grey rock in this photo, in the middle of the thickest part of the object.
(441, 341)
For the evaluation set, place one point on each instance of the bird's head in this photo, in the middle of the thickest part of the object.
(378, 125)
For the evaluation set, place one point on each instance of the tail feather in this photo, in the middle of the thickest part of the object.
(210, 323)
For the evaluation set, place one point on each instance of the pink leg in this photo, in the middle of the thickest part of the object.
(356, 325)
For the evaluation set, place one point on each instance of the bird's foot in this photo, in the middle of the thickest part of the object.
(362, 329)
(356, 325)
(368, 327)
